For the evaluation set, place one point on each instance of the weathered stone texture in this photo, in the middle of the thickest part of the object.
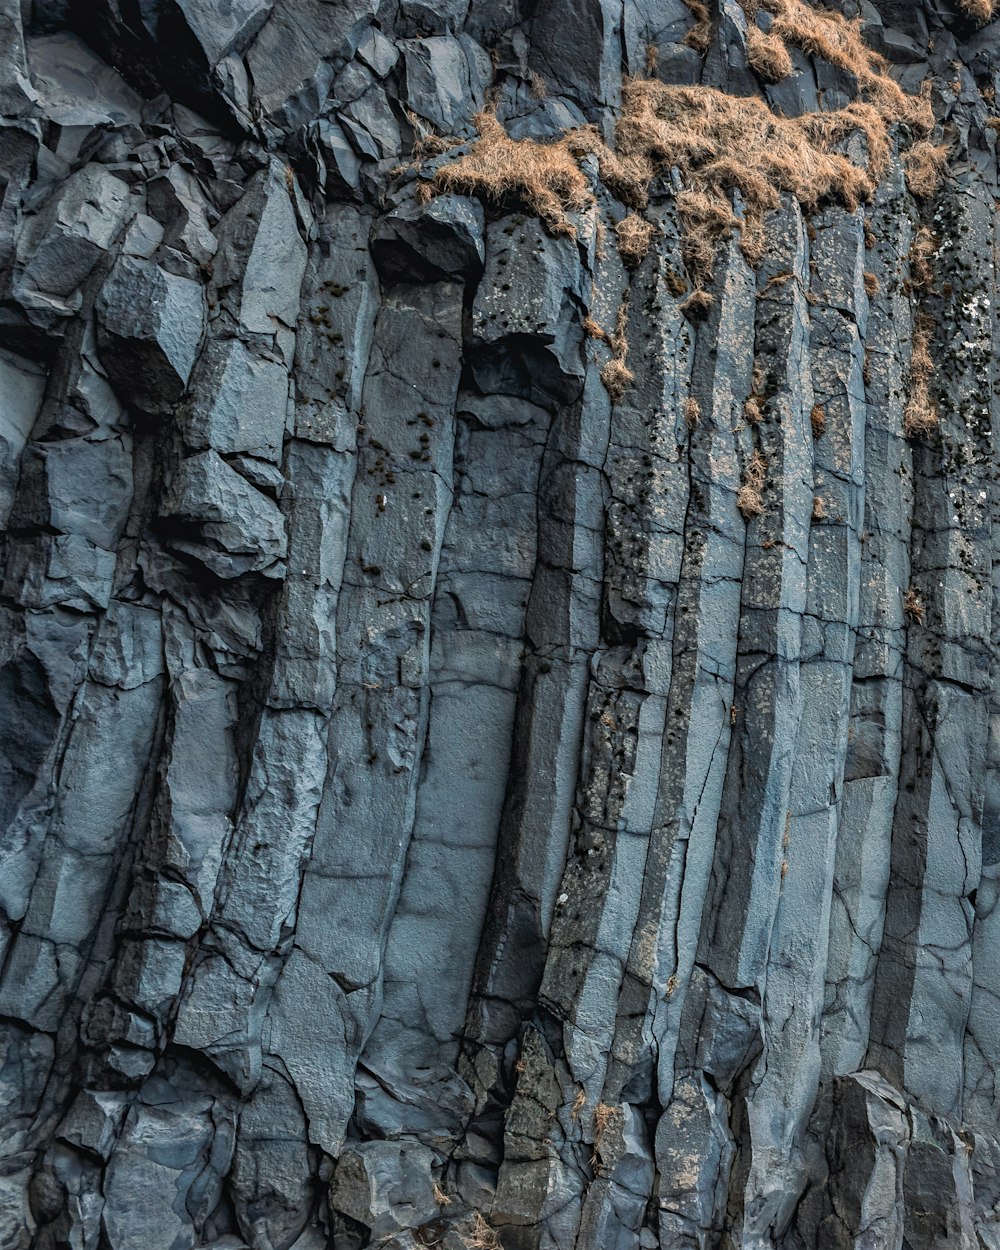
(425, 797)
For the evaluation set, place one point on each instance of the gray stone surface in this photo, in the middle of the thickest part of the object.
(430, 811)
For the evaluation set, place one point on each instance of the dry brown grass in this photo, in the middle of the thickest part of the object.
(767, 55)
(545, 177)
(615, 373)
(923, 249)
(696, 306)
(753, 410)
(921, 415)
(699, 36)
(981, 10)
(924, 164)
(578, 1104)
(819, 508)
(483, 1236)
(913, 607)
(652, 59)
(692, 412)
(830, 36)
(634, 234)
(817, 419)
(440, 1197)
(871, 283)
(721, 142)
(718, 142)
(604, 1116)
(750, 496)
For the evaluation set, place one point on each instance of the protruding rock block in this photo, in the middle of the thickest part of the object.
(212, 513)
(431, 242)
(151, 327)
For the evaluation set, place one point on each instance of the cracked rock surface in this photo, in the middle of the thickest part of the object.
(438, 806)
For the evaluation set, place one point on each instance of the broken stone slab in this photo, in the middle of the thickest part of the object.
(446, 79)
(222, 29)
(431, 242)
(75, 87)
(261, 258)
(526, 339)
(238, 403)
(150, 328)
(387, 1186)
(293, 59)
(271, 1178)
(339, 166)
(212, 513)
(61, 569)
(59, 246)
(22, 386)
(377, 52)
(576, 46)
(372, 126)
(78, 486)
(177, 202)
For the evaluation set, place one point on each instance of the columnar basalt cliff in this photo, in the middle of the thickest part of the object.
(499, 716)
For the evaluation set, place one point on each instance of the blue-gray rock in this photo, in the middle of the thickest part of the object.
(435, 241)
(150, 328)
(495, 752)
(213, 513)
(64, 238)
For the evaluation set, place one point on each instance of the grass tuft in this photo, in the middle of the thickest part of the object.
(615, 373)
(634, 234)
(767, 55)
(750, 496)
(913, 607)
(981, 10)
(921, 415)
(923, 249)
(699, 36)
(697, 305)
(924, 165)
(545, 177)
(483, 1236)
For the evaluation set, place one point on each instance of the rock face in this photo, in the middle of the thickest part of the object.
(499, 717)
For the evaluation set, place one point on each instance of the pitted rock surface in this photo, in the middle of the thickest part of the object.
(438, 807)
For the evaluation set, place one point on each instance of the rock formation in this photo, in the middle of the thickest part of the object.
(499, 716)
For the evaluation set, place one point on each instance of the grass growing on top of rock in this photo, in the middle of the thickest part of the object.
(924, 165)
(546, 177)
(718, 142)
